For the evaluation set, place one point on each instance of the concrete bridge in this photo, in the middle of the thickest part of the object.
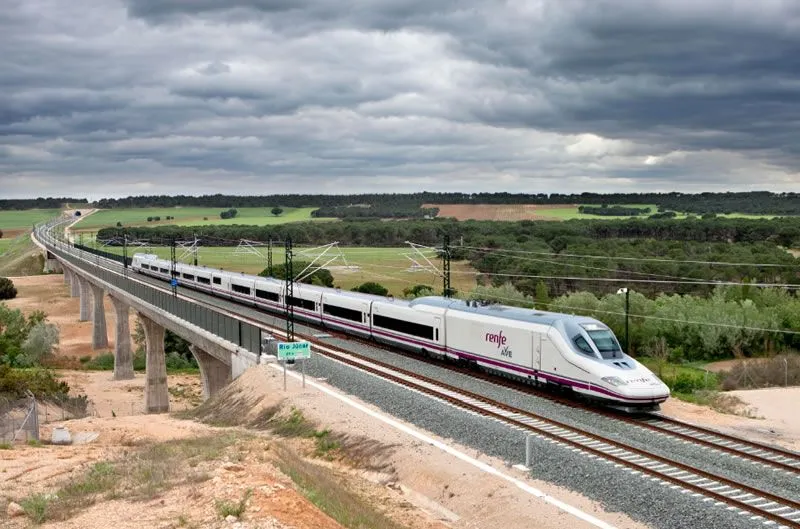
(224, 346)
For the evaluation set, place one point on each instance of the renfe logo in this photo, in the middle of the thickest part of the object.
(498, 338)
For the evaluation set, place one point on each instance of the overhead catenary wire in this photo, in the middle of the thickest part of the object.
(652, 259)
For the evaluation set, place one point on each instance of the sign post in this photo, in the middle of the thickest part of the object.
(294, 351)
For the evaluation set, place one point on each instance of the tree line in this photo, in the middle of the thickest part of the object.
(39, 203)
(525, 252)
(752, 202)
(613, 211)
(379, 211)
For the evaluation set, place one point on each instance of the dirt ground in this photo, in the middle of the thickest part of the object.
(508, 212)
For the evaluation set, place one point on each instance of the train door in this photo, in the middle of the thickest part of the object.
(536, 358)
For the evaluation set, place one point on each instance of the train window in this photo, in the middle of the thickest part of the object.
(217, 280)
(583, 345)
(606, 343)
(190, 277)
(240, 289)
(405, 327)
(341, 312)
(263, 294)
(163, 270)
(437, 334)
(146, 267)
(204, 280)
(302, 303)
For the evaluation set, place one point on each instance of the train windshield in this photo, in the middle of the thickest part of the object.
(606, 343)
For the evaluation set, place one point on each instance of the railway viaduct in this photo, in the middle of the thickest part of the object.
(223, 345)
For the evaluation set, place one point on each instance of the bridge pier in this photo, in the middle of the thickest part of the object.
(123, 358)
(156, 395)
(86, 296)
(215, 374)
(74, 283)
(99, 334)
(67, 275)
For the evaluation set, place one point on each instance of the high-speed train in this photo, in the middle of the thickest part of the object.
(573, 352)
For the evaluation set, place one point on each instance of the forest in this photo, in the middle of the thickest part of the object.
(657, 256)
(38, 203)
(753, 202)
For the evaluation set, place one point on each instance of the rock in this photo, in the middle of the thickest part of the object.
(233, 467)
(231, 518)
(14, 509)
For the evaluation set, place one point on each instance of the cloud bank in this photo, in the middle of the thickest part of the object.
(105, 98)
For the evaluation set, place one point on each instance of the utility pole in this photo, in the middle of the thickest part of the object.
(446, 266)
(124, 251)
(289, 292)
(194, 236)
(627, 293)
(269, 258)
(173, 271)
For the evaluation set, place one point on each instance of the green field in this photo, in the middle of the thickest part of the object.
(4, 244)
(15, 221)
(353, 266)
(190, 216)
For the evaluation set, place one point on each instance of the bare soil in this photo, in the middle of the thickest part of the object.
(773, 416)
(497, 212)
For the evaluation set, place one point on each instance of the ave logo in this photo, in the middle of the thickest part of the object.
(500, 340)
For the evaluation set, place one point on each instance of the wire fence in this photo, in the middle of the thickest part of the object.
(20, 419)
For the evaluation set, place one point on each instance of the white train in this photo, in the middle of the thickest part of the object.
(574, 352)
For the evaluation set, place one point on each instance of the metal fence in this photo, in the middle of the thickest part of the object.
(236, 331)
(20, 418)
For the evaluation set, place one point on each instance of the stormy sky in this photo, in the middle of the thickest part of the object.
(115, 98)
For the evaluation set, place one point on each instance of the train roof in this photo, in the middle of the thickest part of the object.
(499, 311)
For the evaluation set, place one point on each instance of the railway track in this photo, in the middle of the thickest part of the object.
(772, 457)
(760, 505)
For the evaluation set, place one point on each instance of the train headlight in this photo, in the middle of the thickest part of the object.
(614, 381)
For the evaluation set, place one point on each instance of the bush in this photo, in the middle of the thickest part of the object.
(42, 340)
(7, 289)
(321, 277)
(39, 381)
(418, 291)
(371, 287)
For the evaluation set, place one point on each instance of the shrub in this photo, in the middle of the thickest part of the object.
(42, 340)
(371, 287)
(276, 211)
(7, 289)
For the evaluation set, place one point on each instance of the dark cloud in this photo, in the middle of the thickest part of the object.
(284, 96)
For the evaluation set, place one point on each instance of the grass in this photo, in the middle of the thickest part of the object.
(4, 244)
(191, 216)
(6, 446)
(140, 475)
(391, 267)
(325, 490)
(227, 508)
(24, 219)
(21, 258)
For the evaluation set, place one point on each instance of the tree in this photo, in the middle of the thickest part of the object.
(418, 291)
(228, 213)
(41, 342)
(119, 224)
(7, 289)
(149, 219)
(542, 296)
(321, 277)
(371, 287)
(1, 234)
(276, 211)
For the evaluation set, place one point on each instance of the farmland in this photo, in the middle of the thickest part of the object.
(548, 212)
(192, 216)
(13, 223)
(391, 267)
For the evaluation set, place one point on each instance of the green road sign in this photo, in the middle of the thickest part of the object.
(293, 350)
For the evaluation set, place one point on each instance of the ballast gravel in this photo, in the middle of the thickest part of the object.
(617, 489)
